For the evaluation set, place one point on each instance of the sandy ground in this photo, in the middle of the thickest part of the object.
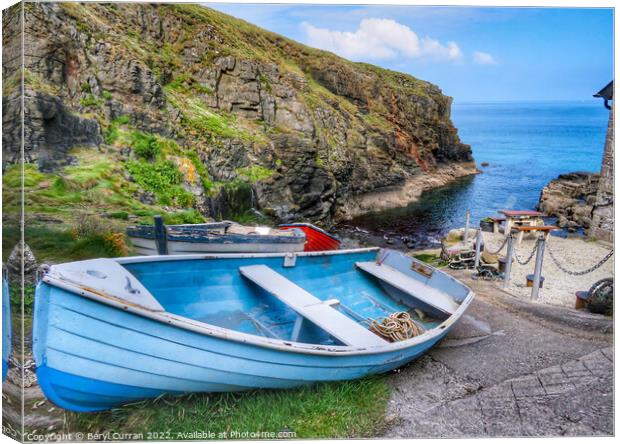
(559, 288)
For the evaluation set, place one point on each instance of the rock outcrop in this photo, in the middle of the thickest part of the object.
(50, 131)
(329, 132)
(570, 198)
(21, 255)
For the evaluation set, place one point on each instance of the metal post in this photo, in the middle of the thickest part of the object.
(540, 252)
(478, 246)
(465, 235)
(509, 254)
(161, 238)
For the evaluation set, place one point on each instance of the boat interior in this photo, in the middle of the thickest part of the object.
(228, 227)
(327, 299)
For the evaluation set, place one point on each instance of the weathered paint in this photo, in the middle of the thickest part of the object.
(316, 238)
(94, 352)
(213, 238)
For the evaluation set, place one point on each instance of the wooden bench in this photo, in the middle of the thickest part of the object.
(546, 229)
(425, 293)
(309, 307)
(497, 221)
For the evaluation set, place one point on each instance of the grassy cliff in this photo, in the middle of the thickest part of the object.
(132, 110)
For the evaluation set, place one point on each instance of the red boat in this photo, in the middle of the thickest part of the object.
(316, 238)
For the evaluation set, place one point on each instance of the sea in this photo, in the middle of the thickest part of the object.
(526, 144)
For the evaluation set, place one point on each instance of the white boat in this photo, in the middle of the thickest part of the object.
(217, 237)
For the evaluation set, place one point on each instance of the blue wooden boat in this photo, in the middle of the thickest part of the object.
(6, 327)
(110, 331)
(215, 237)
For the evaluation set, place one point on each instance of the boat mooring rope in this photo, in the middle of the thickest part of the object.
(396, 327)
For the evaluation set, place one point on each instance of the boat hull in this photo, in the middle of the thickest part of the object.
(93, 357)
(107, 332)
(148, 247)
(218, 237)
(316, 238)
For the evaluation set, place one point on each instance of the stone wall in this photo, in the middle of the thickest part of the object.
(603, 214)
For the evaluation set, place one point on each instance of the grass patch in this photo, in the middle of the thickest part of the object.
(187, 84)
(12, 177)
(251, 218)
(12, 83)
(190, 216)
(239, 199)
(112, 133)
(431, 259)
(214, 124)
(163, 178)
(377, 121)
(351, 409)
(90, 101)
(254, 173)
(201, 170)
(37, 83)
(60, 244)
(202, 122)
(84, 176)
(16, 298)
(145, 146)
(123, 215)
(156, 177)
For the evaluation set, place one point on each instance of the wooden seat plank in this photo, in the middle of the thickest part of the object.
(535, 228)
(425, 293)
(311, 308)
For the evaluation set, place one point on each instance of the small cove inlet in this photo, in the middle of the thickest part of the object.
(218, 323)
(526, 144)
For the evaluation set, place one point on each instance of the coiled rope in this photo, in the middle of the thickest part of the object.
(396, 327)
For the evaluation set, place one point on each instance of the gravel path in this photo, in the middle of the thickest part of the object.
(559, 288)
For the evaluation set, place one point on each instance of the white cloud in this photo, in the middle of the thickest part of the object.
(381, 39)
(484, 58)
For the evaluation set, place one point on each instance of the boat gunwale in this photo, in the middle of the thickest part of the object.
(212, 237)
(314, 227)
(204, 328)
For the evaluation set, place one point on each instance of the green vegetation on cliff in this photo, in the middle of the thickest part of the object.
(225, 99)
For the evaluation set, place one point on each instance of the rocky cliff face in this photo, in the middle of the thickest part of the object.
(571, 198)
(308, 132)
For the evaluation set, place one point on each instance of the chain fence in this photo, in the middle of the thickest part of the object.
(501, 247)
(529, 258)
(594, 267)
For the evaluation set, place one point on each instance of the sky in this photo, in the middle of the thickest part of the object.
(471, 53)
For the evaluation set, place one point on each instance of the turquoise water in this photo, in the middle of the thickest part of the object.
(526, 145)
